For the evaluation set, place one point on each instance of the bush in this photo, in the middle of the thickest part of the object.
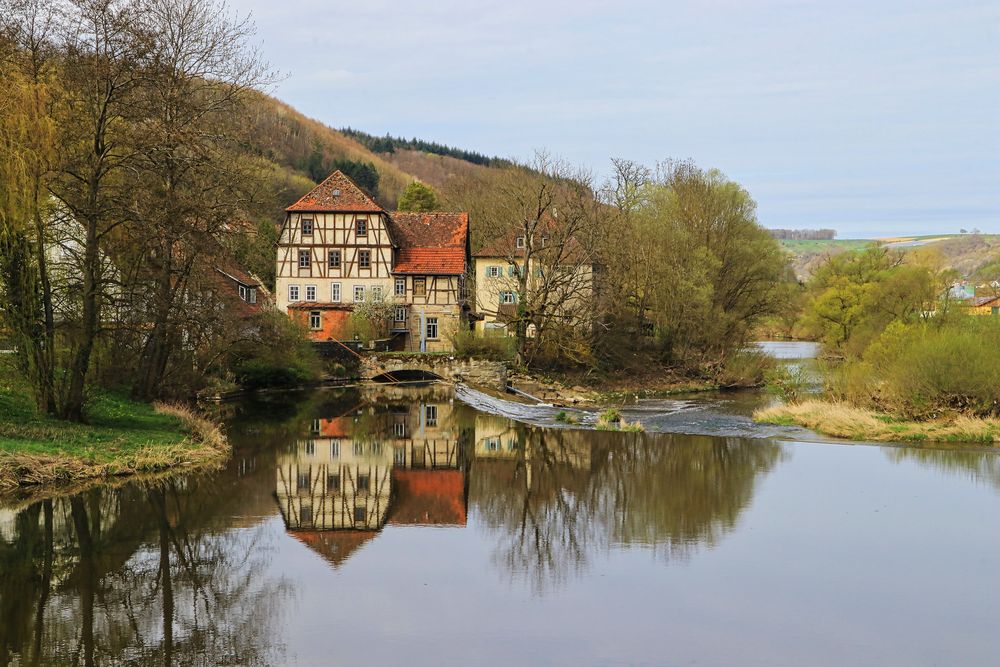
(787, 382)
(278, 355)
(487, 346)
(745, 368)
(924, 369)
(257, 373)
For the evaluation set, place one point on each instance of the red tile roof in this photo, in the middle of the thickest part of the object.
(430, 243)
(337, 193)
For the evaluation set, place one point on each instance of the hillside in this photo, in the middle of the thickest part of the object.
(292, 146)
(966, 253)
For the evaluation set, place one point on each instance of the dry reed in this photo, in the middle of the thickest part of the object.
(846, 421)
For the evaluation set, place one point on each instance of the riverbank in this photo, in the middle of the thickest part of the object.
(845, 421)
(123, 437)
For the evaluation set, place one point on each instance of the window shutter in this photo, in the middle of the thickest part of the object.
(510, 271)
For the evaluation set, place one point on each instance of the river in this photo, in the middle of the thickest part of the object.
(383, 526)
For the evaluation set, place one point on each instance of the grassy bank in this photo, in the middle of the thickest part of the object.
(123, 437)
(845, 421)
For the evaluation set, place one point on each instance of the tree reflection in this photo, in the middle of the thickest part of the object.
(135, 575)
(979, 465)
(556, 497)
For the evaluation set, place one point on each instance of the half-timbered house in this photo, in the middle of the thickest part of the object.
(339, 248)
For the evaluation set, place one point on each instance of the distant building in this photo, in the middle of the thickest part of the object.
(338, 248)
(984, 305)
(500, 264)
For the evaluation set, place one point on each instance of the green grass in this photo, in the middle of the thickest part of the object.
(117, 425)
(121, 437)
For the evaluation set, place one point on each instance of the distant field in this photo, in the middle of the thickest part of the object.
(796, 245)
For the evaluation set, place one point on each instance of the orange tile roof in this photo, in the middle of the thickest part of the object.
(337, 193)
(430, 243)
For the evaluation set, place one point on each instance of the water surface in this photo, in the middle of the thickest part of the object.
(401, 526)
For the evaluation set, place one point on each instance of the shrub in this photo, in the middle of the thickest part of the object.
(924, 369)
(487, 346)
(257, 373)
(278, 355)
(745, 368)
(787, 382)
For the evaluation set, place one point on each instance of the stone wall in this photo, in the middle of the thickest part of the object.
(483, 372)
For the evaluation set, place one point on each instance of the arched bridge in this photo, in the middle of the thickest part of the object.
(394, 367)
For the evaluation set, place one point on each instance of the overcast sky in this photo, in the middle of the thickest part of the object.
(874, 118)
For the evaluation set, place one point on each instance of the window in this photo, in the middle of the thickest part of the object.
(376, 448)
(364, 482)
(334, 450)
(400, 286)
(400, 314)
(310, 447)
(335, 292)
(513, 271)
(253, 295)
(376, 293)
(304, 262)
(360, 513)
(399, 429)
(359, 293)
(431, 415)
(520, 241)
(293, 292)
(359, 449)
(314, 428)
(307, 226)
(419, 287)
(361, 227)
(310, 292)
(432, 328)
(399, 456)
(243, 292)
(302, 481)
(315, 320)
(365, 259)
(494, 271)
(306, 514)
(333, 482)
(507, 297)
(511, 445)
(492, 445)
(333, 258)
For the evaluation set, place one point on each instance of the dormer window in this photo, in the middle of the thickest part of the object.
(307, 226)
(520, 241)
(361, 227)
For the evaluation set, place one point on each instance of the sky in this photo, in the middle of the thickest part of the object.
(874, 118)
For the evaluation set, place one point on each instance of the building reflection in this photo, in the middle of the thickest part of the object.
(551, 497)
(395, 456)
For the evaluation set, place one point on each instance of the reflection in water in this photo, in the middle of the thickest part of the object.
(210, 570)
(393, 455)
(551, 497)
(135, 575)
(556, 497)
(981, 465)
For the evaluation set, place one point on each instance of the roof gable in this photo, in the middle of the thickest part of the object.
(336, 194)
